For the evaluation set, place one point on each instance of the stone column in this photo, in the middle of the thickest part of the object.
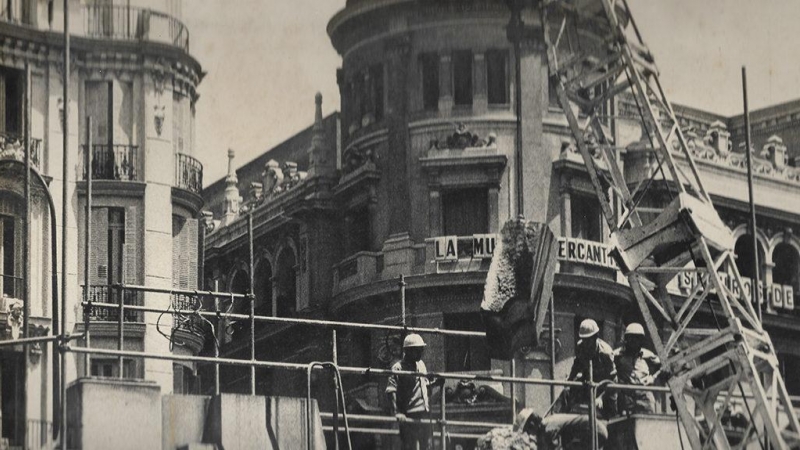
(434, 210)
(494, 207)
(396, 171)
(566, 206)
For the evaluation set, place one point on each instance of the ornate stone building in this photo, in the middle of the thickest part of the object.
(418, 172)
(131, 71)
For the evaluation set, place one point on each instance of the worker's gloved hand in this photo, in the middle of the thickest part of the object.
(400, 417)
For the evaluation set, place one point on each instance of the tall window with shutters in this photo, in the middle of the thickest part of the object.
(113, 259)
(184, 252)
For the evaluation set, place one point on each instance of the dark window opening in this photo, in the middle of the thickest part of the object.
(429, 64)
(465, 212)
(497, 77)
(11, 396)
(465, 353)
(262, 283)
(790, 368)
(745, 261)
(585, 218)
(103, 367)
(184, 380)
(462, 78)
(358, 231)
(376, 91)
(7, 238)
(11, 90)
(286, 279)
(787, 266)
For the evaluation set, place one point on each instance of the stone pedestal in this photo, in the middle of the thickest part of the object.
(237, 422)
(111, 413)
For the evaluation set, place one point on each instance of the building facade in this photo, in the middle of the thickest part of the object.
(418, 172)
(132, 73)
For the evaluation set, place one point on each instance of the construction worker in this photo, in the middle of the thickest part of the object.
(635, 365)
(595, 353)
(560, 431)
(408, 396)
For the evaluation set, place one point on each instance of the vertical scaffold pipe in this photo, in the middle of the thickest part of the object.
(64, 234)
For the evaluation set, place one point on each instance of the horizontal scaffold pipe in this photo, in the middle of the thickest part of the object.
(38, 340)
(359, 370)
(134, 287)
(270, 319)
(392, 419)
(389, 431)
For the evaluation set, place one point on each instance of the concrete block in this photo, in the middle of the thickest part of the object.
(109, 413)
(637, 432)
(237, 422)
(287, 425)
(183, 421)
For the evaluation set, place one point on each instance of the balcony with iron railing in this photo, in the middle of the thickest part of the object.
(108, 22)
(113, 162)
(188, 173)
(12, 147)
(111, 294)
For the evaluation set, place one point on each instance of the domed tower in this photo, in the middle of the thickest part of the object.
(131, 72)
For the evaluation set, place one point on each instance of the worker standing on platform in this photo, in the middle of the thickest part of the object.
(635, 365)
(590, 348)
(408, 396)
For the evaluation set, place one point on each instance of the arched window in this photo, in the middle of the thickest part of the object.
(263, 288)
(745, 261)
(286, 283)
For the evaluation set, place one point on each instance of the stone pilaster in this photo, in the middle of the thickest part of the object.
(396, 171)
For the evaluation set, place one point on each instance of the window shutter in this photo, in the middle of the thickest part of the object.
(190, 230)
(98, 258)
(177, 250)
(130, 250)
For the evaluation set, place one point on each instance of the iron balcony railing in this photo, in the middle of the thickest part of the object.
(109, 294)
(12, 146)
(123, 22)
(11, 286)
(114, 162)
(188, 173)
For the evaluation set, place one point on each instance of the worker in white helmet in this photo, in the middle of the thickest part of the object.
(635, 365)
(408, 395)
(590, 348)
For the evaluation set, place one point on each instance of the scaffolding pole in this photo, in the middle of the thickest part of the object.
(62, 401)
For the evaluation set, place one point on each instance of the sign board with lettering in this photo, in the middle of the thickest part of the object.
(446, 248)
(483, 245)
(779, 296)
(585, 252)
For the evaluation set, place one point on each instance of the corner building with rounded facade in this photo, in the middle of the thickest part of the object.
(132, 73)
(417, 173)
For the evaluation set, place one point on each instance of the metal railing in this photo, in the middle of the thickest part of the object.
(103, 294)
(188, 173)
(12, 146)
(114, 162)
(133, 23)
(114, 22)
(12, 286)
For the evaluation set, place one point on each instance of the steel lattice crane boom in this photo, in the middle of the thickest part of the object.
(595, 54)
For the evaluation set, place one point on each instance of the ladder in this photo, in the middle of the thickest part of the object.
(595, 54)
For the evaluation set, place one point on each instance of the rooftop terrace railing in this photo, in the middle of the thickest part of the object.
(113, 22)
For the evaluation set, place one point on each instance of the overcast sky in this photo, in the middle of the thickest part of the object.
(267, 58)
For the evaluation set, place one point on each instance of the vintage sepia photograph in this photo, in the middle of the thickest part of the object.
(399, 224)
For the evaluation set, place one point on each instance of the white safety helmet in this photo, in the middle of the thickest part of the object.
(588, 329)
(634, 329)
(413, 340)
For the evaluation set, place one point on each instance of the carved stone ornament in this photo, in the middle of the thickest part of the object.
(355, 157)
(14, 321)
(158, 119)
(463, 138)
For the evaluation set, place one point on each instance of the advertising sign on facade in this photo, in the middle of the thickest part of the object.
(780, 296)
(585, 252)
(451, 248)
